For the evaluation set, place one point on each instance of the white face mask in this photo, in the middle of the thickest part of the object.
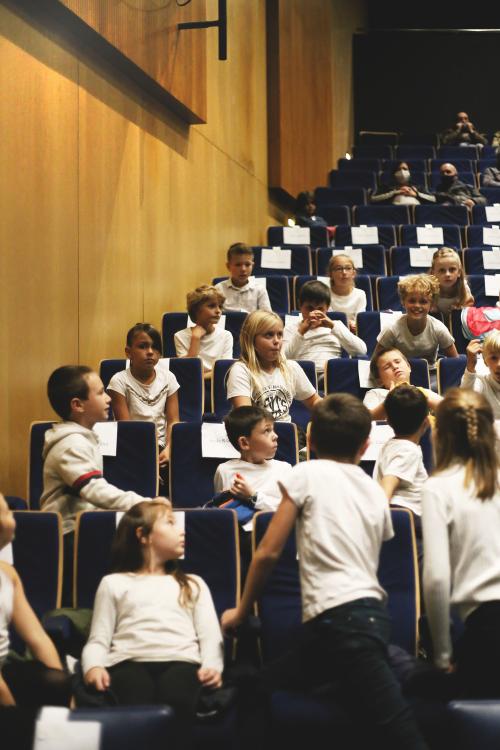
(402, 175)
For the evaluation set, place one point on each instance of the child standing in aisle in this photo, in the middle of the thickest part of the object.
(346, 628)
(461, 527)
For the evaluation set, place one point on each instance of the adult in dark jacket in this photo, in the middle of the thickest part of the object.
(453, 192)
(463, 133)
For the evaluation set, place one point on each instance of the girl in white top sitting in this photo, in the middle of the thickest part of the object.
(461, 527)
(146, 390)
(155, 637)
(346, 297)
(454, 292)
(263, 376)
(25, 683)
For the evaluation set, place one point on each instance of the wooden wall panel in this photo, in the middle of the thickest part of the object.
(300, 97)
(146, 32)
(38, 233)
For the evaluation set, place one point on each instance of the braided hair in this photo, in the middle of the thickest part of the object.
(465, 434)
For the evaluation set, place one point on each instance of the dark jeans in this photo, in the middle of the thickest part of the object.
(346, 647)
(478, 653)
(33, 684)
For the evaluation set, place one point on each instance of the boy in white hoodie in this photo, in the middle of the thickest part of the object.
(72, 471)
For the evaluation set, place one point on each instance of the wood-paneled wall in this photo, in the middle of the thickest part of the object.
(111, 208)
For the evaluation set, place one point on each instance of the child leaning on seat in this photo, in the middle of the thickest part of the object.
(72, 463)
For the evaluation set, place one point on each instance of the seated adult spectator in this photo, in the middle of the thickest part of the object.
(491, 175)
(401, 190)
(451, 191)
(305, 211)
(463, 133)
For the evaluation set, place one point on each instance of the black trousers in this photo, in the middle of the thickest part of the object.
(478, 653)
(33, 684)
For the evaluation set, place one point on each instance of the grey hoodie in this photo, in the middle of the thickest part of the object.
(72, 475)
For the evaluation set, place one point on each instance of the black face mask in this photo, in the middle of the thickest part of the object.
(447, 179)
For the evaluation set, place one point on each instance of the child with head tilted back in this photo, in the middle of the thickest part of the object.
(205, 339)
(488, 385)
(454, 292)
(155, 637)
(241, 292)
(263, 376)
(317, 337)
(461, 527)
(35, 682)
(341, 518)
(345, 297)
(146, 390)
(416, 333)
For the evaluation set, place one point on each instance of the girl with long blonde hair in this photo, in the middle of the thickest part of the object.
(461, 529)
(263, 376)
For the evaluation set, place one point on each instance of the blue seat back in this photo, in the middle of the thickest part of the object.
(452, 153)
(474, 262)
(342, 376)
(477, 287)
(135, 466)
(451, 235)
(279, 605)
(211, 551)
(128, 727)
(461, 163)
(480, 213)
(339, 178)
(338, 196)
(334, 214)
(437, 214)
(317, 236)
(189, 374)
(414, 151)
(473, 724)
(373, 151)
(386, 235)
(373, 258)
(401, 261)
(300, 262)
(176, 321)
(449, 372)
(387, 293)
(464, 175)
(381, 214)
(192, 476)
(362, 281)
(475, 236)
(357, 164)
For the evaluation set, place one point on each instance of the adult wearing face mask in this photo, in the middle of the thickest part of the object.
(451, 191)
(463, 133)
(401, 190)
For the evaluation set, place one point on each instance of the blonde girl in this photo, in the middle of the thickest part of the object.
(461, 528)
(454, 292)
(487, 384)
(263, 376)
(416, 333)
(155, 637)
(345, 297)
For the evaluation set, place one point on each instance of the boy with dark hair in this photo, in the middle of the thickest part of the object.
(317, 337)
(341, 518)
(72, 470)
(242, 292)
(254, 476)
(400, 466)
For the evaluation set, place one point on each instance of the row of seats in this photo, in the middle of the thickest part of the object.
(419, 151)
(211, 551)
(427, 179)
(462, 161)
(191, 474)
(436, 214)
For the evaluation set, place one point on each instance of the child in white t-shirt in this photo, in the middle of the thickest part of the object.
(346, 297)
(488, 385)
(252, 478)
(146, 390)
(262, 375)
(341, 517)
(399, 468)
(205, 339)
(416, 333)
(317, 337)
